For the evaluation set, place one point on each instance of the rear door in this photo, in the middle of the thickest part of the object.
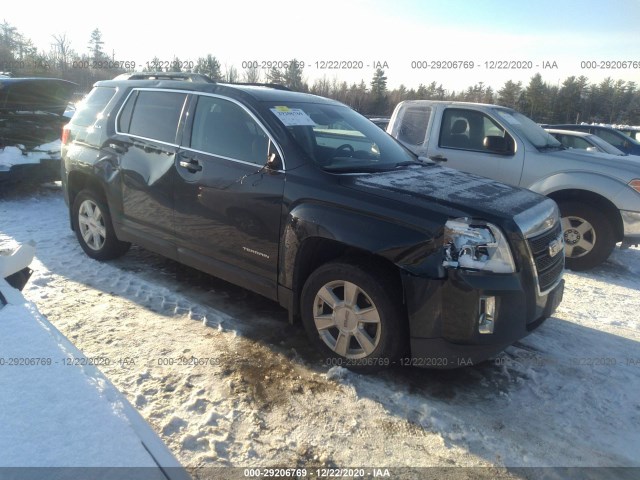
(460, 142)
(145, 141)
(228, 204)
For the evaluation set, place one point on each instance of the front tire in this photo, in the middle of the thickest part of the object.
(93, 227)
(354, 316)
(588, 236)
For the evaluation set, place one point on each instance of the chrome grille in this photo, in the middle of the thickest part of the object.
(549, 269)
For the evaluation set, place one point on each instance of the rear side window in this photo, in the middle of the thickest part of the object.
(413, 128)
(153, 115)
(571, 141)
(612, 138)
(90, 109)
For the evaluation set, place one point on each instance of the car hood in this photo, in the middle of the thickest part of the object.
(460, 190)
(49, 95)
(616, 164)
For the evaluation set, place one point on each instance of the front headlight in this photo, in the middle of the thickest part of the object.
(476, 245)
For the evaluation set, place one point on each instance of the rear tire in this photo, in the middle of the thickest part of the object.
(588, 235)
(354, 316)
(93, 227)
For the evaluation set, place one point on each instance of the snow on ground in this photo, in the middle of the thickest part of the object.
(10, 156)
(225, 381)
(40, 403)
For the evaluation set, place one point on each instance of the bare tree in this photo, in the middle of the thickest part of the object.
(322, 87)
(230, 74)
(62, 49)
(251, 74)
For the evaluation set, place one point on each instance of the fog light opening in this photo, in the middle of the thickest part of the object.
(487, 315)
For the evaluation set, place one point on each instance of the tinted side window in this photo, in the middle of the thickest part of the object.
(92, 106)
(124, 120)
(156, 115)
(221, 127)
(413, 127)
(466, 129)
(612, 138)
(571, 141)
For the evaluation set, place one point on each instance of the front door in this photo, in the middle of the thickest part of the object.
(228, 204)
(461, 142)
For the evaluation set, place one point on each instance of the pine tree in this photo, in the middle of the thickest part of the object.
(379, 93)
(209, 66)
(95, 46)
(509, 95)
(292, 77)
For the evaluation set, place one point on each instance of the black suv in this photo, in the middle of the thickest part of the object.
(385, 258)
(31, 118)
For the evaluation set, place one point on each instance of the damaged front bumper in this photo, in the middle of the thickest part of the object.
(470, 316)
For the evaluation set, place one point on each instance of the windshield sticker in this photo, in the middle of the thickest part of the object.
(293, 117)
(509, 118)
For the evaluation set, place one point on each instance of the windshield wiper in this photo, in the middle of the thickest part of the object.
(356, 169)
(544, 148)
(359, 168)
(420, 163)
(376, 168)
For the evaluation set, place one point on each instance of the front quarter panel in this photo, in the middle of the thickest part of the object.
(622, 196)
(410, 249)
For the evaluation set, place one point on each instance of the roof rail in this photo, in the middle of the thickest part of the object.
(183, 76)
(276, 86)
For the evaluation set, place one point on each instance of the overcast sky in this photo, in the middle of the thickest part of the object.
(398, 32)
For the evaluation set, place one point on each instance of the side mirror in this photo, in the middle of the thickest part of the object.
(274, 162)
(497, 144)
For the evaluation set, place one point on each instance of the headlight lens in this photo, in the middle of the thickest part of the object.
(476, 245)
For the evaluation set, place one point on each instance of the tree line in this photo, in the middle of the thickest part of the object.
(575, 100)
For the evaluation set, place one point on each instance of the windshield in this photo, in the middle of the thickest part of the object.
(338, 139)
(529, 129)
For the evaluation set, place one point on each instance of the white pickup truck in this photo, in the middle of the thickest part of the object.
(598, 195)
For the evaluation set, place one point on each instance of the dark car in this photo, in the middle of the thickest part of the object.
(386, 259)
(31, 120)
(616, 138)
(382, 122)
(633, 132)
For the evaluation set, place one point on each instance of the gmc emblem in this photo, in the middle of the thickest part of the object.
(555, 247)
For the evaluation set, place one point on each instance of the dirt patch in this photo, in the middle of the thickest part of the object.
(270, 376)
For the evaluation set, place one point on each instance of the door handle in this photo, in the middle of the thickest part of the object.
(438, 158)
(191, 165)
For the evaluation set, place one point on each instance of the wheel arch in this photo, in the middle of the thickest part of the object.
(315, 234)
(78, 181)
(314, 252)
(603, 204)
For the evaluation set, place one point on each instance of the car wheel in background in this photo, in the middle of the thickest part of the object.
(588, 235)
